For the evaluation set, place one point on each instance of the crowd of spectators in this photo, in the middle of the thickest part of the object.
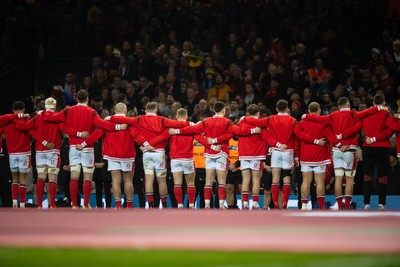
(191, 53)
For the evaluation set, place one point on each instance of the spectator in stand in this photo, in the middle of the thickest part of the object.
(296, 110)
(201, 111)
(235, 112)
(100, 81)
(229, 49)
(250, 96)
(208, 80)
(307, 98)
(145, 88)
(190, 101)
(218, 90)
(110, 61)
(87, 84)
(241, 104)
(318, 77)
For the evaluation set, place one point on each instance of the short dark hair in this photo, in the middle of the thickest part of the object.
(18, 105)
(82, 95)
(282, 105)
(379, 99)
(253, 109)
(313, 107)
(342, 101)
(219, 106)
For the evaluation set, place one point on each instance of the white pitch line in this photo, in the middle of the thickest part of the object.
(360, 214)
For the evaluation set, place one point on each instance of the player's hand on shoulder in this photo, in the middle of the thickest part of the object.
(107, 118)
(396, 115)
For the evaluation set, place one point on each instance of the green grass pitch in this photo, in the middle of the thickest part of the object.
(41, 257)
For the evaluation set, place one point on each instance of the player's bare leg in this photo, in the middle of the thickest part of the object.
(178, 178)
(210, 176)
(40, 184)
(191, 189)
(148, 186)
(339, 173)
(128, 187)
(246, 178)
(305, 189)
(276, 175)
(87, 185)
(349, 188)
(221, 176)
(320, 188)
(162, 186)
(116, 187)
(256, 182)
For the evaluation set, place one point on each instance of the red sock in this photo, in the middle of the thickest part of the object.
(40, 191)
(22, 193)
(347, 201)
(275, 194)
(52, 193)
(304, 200)
(256, 198)
(245, 196)
(87, 189)
(129, 203)
(118, 204)
(321, 202)
(73, 190)
(285, 194)
(191, 191)
(150, 199)
(207, 192)
(164, 200)
(15, 191)
(178, 193)
(339, 202)
(221, 192)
